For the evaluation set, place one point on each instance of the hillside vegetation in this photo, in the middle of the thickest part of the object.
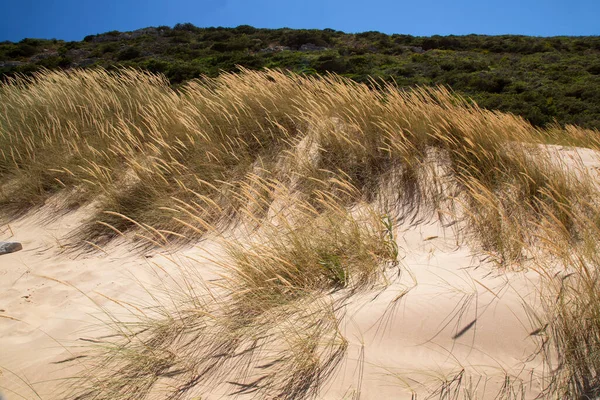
(541, 79)
(320, 169)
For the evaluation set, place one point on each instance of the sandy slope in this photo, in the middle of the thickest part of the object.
(48, 314)
(50, 299)
(450, 310)
(458, 313)
(407, 341)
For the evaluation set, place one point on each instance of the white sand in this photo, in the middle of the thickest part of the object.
(397, 345)
(409, 344)
(41, 315)
(410, 338)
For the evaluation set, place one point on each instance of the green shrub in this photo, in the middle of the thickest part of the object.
(128, 53)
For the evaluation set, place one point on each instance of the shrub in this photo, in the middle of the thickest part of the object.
(187, 26)
(128, 53)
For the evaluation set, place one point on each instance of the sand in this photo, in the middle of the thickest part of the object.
(410, 338)
(451, 310)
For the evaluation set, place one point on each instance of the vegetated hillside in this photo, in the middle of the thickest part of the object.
(541, 79)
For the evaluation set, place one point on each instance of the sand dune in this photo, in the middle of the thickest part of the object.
(448, 310)
(449, 320)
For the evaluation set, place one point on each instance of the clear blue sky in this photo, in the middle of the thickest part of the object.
(72, 20)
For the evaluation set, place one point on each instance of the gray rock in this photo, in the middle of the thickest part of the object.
(311, 47)
(78, 53)
(9, 247)
(104, 37)
(146, 31)
(10, 63)
(275, 49)
(43, 56)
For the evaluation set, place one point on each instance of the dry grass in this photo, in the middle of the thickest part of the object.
(315, 171)
(269, 328)
(129, 142)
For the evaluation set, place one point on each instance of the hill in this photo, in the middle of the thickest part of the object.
(542, 79)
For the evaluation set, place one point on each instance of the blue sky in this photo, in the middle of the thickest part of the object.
(72, 20)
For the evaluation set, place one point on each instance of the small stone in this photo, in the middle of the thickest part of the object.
(9, 247)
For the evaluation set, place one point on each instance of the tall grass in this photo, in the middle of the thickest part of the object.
(269, 328)
(132, 144)
(315, 171)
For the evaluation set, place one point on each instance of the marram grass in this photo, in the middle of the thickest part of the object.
(316, 171)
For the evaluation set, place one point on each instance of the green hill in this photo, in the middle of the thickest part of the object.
(543, 79)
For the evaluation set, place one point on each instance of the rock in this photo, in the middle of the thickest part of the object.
(275, 49)
(9, 247)
(311, 47)
(78, 54)
(10, 63)
(146, 31)
(43, 56)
